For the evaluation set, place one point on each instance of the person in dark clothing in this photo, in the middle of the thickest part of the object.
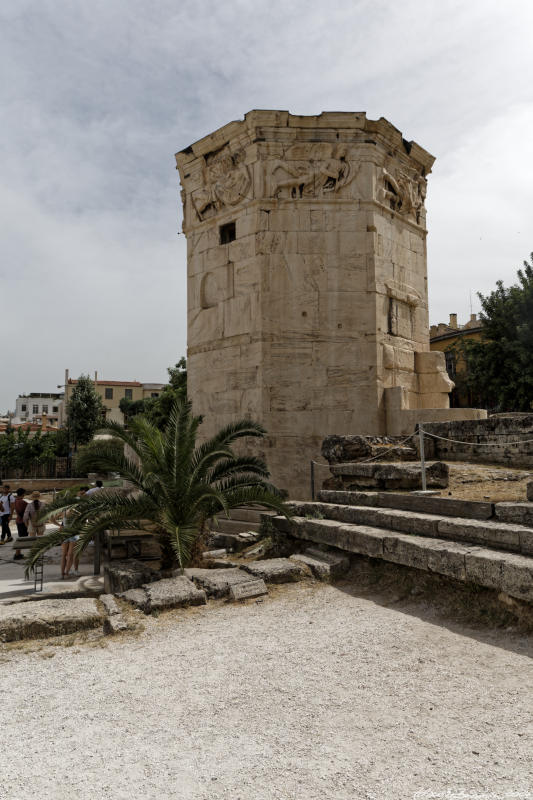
(20, 508)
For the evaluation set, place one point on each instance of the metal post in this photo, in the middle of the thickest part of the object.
(96, 570)
(422, 456)
(312, 479)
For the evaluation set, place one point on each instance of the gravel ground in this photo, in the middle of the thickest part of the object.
(313, 694)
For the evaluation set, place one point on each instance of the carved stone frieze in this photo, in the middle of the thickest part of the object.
(401, 192)
(227, 181)
(312, 171)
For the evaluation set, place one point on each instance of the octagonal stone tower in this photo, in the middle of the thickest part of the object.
(307, 284)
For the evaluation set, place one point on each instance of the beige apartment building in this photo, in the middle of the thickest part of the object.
(112, 392)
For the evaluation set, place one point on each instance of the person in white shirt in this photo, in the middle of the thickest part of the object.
(99, 485)
(7, 504)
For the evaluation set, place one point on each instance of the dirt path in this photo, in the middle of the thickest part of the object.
(312, 694)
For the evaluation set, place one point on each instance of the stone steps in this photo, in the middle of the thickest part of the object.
(443, 506)
(487, 533)
(506, 572)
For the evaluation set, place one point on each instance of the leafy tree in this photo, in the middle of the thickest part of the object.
(85, 411)
(177, 485)
(157, 409)
(499, 367)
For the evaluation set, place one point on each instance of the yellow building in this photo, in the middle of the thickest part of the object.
(446, 337)
(112, 392)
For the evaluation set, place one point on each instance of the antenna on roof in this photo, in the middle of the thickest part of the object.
(470, 303)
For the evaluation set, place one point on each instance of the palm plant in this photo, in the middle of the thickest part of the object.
(176, 485)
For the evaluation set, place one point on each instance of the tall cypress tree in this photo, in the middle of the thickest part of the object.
(85, 411)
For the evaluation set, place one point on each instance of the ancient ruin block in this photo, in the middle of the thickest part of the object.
(307, 278)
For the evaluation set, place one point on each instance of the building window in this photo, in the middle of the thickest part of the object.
(154, 394)
(108, 394)
(450, 363)
(35, 409)
(23, 408)
(227, 233)
(54, 409)
(45, 409)
(128, 394)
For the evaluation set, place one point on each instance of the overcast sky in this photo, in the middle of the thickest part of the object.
(98, 96)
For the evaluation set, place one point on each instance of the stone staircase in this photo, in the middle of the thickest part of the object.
(469, 541)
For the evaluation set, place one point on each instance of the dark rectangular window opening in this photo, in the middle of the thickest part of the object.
(227, 233)
(108, 394)
(128, 394)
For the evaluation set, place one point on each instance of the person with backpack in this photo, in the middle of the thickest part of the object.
(7, 504)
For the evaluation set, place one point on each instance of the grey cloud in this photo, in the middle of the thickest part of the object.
(100, 95)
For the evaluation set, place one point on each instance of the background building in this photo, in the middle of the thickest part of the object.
(112, 392)
(31, 408)
(448, 337)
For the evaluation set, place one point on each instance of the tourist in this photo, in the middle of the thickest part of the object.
(20, 508)
(31, 515)
(68, 556)
(7, 502)
(99, 485)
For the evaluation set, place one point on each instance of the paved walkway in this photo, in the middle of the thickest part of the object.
(314, 694)
(13, 584)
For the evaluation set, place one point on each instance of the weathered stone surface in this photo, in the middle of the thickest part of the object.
(115, 624)
(243, 591)
(119, 576)
(210, 554)
(110, 604)
(495, 569)
(276, 570)
(521, 513)
(442, 506)
(517, 576)
(173, 593)
(324, 566)
(390, 476)
(471, 438)
(485, 533)
(137, 597)
(337, 449)
(484, 567)
(42, 618)
(217, 582)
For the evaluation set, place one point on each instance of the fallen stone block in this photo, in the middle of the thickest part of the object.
(243, 591)
(214, 553)
(119, 576)
(137, 597)
(115, 624)
(390, 476)
(217, 582)
(42, 618)
(173, 593)
(324, 565)
(276, 570)
(110, 604)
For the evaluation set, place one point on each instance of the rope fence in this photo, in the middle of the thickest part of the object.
(420, 433)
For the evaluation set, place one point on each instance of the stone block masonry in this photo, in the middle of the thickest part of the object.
(307, 285)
